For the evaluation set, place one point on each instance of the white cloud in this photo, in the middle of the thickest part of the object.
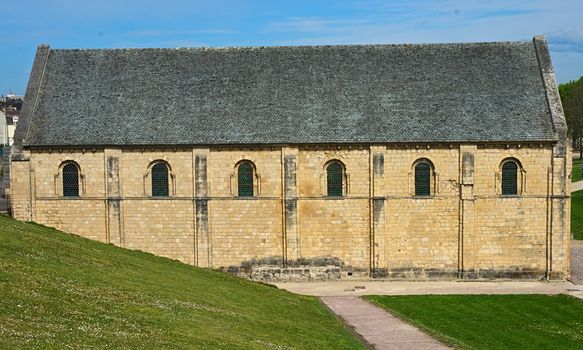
(566, 40)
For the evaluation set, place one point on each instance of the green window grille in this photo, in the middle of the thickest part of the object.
(422, 179)
(160, 180)
(245, 180)
(334, 177)
(510, 179)
(70, 181)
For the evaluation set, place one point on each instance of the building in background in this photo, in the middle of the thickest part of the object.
(10, 117)
(10, 107)
(3, 129)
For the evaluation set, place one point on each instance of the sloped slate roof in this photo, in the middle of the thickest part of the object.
(308, 94)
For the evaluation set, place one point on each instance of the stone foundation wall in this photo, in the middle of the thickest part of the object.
(294, 274)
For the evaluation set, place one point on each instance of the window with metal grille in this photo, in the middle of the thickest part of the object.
(422, 179)
(160, 180)
(335, 176)
(509, 179)
(70, 180)
(245, 179)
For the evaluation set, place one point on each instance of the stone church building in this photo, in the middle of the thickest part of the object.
(382, 161)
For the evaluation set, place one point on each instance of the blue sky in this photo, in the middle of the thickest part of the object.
(146, 23)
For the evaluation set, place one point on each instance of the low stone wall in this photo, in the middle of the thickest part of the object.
(274, 273)
(295, 274)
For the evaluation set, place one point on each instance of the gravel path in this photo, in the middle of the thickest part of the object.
(378, 327)
(577, 262)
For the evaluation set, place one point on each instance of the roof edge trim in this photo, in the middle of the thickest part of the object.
(269, 47)
(287, 144)
(30, 98)
(552, 94)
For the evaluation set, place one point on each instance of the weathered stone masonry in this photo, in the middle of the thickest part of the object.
(375, 111)
(379, 229)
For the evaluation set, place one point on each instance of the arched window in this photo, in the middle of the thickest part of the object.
(509, 178)
(423, 178)
(70, 180)
(245, 179)
(335, 177)
(160, 180)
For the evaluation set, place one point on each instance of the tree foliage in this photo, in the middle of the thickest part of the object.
(572, 99)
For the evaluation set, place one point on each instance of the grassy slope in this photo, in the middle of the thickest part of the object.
(494, 321)
(577, 214)
(577, 174)
(59, 290)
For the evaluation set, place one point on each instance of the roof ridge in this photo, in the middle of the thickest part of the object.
(274, 47)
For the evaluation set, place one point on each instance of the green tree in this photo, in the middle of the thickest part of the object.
(572, 99)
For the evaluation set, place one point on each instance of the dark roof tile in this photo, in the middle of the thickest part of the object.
(289, 95)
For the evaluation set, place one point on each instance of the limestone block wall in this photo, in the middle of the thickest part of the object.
(509, 236)
(159, 226)
(421, 232)
(337, 228)
(506, 241)
(163, 226)
(378, 228)
(311, 171)
(243, 230)
(422, 237)
(85, 215)
(559, 229)
(135, 167)
(222, 176)
(20, 190)
(334, 227)
(47, 167)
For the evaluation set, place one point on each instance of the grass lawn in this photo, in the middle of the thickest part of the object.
(63, 291)
(577, 173)
(577, 214)
(494, 321)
